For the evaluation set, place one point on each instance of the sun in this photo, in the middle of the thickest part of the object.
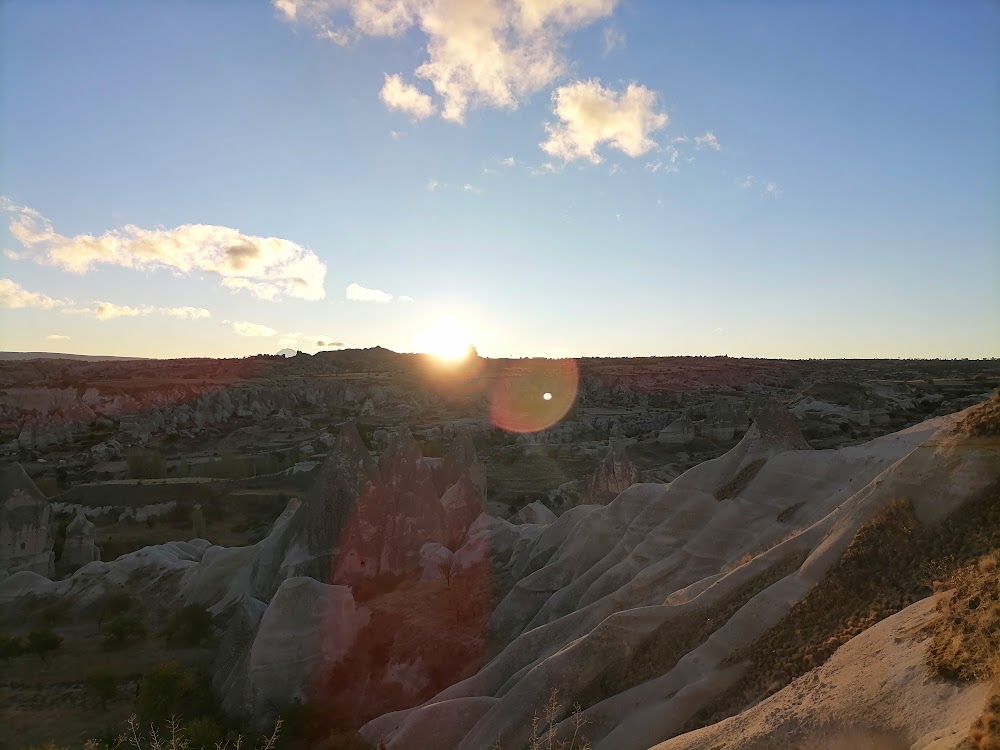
(447, 340)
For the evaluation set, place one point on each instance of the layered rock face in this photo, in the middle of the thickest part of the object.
(640, 609)
(79, 547)
(25, 532)
(614, 474)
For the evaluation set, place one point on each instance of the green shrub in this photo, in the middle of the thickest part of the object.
(115, 603)
(43, 642)
(121, 630)
(102, 686)
(203, 734)
(145, 464)
(168, 690)
(10, 647)
(191, 626)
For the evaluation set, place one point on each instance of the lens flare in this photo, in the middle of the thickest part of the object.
(532, 395)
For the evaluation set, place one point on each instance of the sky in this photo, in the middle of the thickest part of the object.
(539, 177)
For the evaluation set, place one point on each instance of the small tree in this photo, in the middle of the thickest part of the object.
(192, 626)
(10, 647)
(42, 642)
(121, 630)
(102, 686)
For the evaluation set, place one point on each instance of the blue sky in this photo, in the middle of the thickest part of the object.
(781, 179)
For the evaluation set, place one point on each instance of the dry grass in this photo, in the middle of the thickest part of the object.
(741, 481)
(964, 641)
(984, 421)
(892, 563)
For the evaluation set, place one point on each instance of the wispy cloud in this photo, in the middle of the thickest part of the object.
(406, 299)
(110, 310)
(56, 337)
(433, 185)
(766, 188)
(510, 161)
(488, 53)
(396, 134)
(707, 140)
(244, 328)
(611, 39)
(469, 188)
(358, 293)
(188, 313)
(591, 115)
(13, 295)
(268, 267)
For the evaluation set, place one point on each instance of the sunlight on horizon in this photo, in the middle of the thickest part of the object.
(446, 340)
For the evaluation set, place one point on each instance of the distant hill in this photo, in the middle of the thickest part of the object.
(59, 355)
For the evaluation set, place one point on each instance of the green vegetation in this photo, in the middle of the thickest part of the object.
(115, 603)
(168, 690)
(741, 481)
(121, 631)
(43, 642)
(191, 626)
(11, 647)
(102, 686)
(145, 464)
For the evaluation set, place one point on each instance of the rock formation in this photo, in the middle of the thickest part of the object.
(25, 535)
(614, 474)
(79, 548)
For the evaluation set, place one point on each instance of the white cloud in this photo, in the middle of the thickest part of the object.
(707, 140)
(406, 299)
(109, 310)
(244, 328)
(268, 267)
(433, 185)
(358, 293)
(469, 188)
(611, 39)
(766, 188)
(304, 341)
(188, 313)
(13, 295)
(543, 169)
(406, 97)
(482, 53)
(396, 134)
(56, 337)
(591, 115)
(510, 161)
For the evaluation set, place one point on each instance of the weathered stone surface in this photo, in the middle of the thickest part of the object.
(461, 460)
(679, 432)
(25, 533)
(435, 558)
(307, 628)
(230, 680)
(79, 547)
(395, 515)
(536, 512)
(332, 500)
(462, 503)
(613, 475)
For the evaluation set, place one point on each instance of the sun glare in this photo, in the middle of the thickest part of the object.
(447, 340)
